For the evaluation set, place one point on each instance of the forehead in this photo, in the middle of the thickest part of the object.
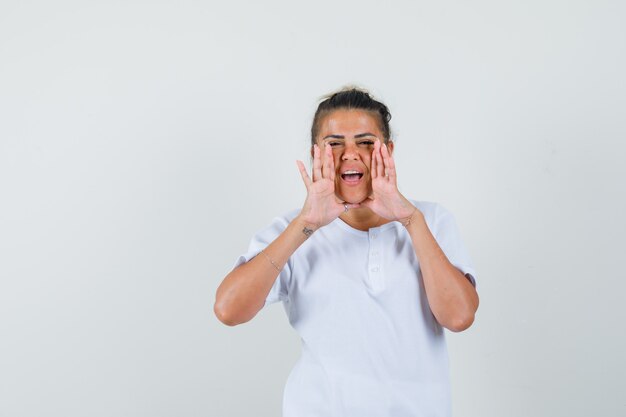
(349, 122)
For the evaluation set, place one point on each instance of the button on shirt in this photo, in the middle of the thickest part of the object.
(370, 343)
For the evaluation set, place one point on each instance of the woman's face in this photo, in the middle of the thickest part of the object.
(351, 135)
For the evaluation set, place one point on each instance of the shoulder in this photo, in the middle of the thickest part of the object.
(286, 218)
(279, 223)
(433, 212)
(440, 220)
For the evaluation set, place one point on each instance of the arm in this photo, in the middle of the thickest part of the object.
(452, 298)
(243, 291)
(242, 294)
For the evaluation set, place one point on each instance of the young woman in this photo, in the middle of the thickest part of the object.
(368, 278)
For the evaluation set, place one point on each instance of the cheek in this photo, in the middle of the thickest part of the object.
(367, 160)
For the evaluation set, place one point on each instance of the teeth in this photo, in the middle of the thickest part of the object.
(351, 172)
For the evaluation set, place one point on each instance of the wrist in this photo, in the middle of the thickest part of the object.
(406, 221)
(304, 226)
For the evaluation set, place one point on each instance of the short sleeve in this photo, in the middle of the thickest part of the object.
(279, 291)
(449, 239)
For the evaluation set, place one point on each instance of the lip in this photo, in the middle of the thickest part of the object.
(351, 182)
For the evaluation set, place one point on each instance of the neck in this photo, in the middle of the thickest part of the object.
(363, 218)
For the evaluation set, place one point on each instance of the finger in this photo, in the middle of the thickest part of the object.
(304, 174)
(379, 162)
(326, 162)
(373, 170)
(391, 164)
(331, 164)
(387, 160)
(317, 163)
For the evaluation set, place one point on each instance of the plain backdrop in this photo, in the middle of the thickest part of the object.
(142, 144)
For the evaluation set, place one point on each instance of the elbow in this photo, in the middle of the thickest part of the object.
(221, 309)
(228, 316)
(464, 320)
(223, 316)
(460, 324)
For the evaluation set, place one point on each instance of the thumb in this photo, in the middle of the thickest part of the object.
(304, 174)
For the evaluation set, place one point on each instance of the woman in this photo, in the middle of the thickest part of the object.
(368, 278)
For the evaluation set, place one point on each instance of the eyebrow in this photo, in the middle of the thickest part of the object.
(359, 136)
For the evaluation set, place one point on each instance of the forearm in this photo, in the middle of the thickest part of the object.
(243, 291)
(452, 298)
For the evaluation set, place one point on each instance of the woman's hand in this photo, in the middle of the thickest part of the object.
(386, 200)
(321, 205)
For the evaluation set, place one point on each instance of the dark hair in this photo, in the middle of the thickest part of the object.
(351, 98)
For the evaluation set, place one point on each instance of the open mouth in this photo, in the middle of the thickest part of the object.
(352, 176)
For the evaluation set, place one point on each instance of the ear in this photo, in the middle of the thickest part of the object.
(390, 145)
(311, 151)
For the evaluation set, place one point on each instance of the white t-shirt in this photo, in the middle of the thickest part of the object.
(370, 343)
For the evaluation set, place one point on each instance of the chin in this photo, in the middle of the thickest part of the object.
(353, 198)
(352, 194)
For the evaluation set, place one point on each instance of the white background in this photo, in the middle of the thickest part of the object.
(143, 143)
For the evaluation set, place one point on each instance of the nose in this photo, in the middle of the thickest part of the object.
(350, 152)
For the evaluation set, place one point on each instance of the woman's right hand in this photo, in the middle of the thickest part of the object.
(321, 205)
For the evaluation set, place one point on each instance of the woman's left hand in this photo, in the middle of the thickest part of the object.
(386, 200)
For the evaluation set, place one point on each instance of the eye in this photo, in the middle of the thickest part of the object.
(367, 142)
(334, 143)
